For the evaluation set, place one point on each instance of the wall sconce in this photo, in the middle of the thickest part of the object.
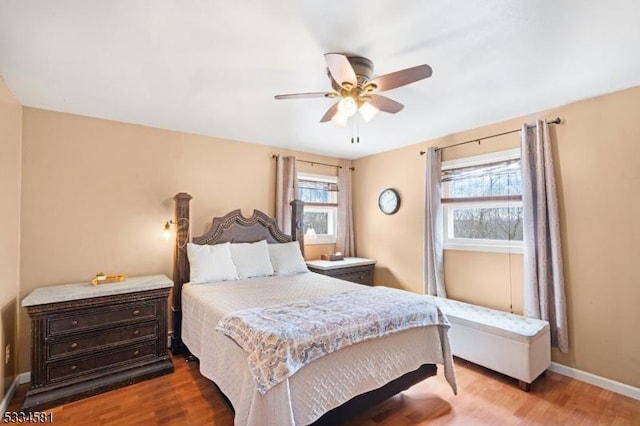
(167, 230)
(170, 223)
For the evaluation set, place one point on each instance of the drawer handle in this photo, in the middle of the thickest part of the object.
(136, 332)
(74, 323)
(136, 313)
(136, 353)
(74, 345)
(74, 367)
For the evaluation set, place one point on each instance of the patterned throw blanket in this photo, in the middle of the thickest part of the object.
(282, 339)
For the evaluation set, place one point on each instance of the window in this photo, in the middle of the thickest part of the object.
(482, 203)
(320, 196)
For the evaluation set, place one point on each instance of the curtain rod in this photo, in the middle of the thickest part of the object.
(556, 120)
(316, 162)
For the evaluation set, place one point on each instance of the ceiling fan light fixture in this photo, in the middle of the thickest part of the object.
(367, 111)
(347, 106)
(340, 119)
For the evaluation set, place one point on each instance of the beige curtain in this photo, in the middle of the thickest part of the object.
(286, 190)
(345, 240)
(544, 295)
(433, 280)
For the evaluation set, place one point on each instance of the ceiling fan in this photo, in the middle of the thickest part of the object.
(351, 80)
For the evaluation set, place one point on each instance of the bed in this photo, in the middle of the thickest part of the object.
(326, 391)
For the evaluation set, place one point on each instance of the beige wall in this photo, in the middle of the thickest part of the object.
(313, 252)
(597, 157)
(96, 195)
(10, 140)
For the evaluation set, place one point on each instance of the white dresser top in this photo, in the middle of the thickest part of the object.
(336, 264)
(67, 292)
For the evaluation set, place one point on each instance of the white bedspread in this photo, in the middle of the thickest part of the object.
(322, 385)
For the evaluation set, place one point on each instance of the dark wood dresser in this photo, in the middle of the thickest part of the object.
(355, 269)
(89, 339)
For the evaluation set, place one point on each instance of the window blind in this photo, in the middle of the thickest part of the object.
(318, 192)
(495, 181)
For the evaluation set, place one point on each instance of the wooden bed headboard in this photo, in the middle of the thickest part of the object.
(232, 227)
(235, 228)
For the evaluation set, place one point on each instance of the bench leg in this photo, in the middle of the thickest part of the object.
(524, 385)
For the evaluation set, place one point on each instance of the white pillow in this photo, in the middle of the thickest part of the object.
(210, 263)
(251, 259)
(287, 259)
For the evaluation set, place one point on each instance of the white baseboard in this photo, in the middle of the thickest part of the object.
(592, 379)
(7, 397)
(25, 377)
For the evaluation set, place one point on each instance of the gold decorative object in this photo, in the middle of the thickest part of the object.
(108, 279)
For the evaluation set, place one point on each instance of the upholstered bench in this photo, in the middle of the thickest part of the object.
(510, 344)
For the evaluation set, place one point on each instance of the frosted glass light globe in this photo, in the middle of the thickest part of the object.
(348, 106)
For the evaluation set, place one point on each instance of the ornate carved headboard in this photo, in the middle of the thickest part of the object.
(234, 228)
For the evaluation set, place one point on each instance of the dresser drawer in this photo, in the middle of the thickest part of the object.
(58, 324)
(360, 277)
(63, 370)
(58, 348)
(361, 274)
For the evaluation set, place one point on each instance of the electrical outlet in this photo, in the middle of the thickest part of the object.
(7, 354)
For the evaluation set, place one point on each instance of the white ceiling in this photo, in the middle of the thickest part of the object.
(213, 67)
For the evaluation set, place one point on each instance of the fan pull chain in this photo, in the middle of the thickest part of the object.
(355, 137)
(352, 127)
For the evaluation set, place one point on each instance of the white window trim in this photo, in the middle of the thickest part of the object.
(314, 176)
(508, 154)
(333, 211)
(473, 244)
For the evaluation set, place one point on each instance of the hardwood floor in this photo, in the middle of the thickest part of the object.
(484, 398)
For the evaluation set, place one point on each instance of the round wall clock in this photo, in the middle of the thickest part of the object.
(389, 201)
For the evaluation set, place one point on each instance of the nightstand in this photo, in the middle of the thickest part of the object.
(88, 339)
(355, 269)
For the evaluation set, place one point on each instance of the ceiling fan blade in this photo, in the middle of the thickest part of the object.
(330, 113)
(307, 95)
(340, 69)
(385, 104)
(401, 78)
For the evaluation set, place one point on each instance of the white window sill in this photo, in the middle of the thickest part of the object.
(320, 239)
(487, 248)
